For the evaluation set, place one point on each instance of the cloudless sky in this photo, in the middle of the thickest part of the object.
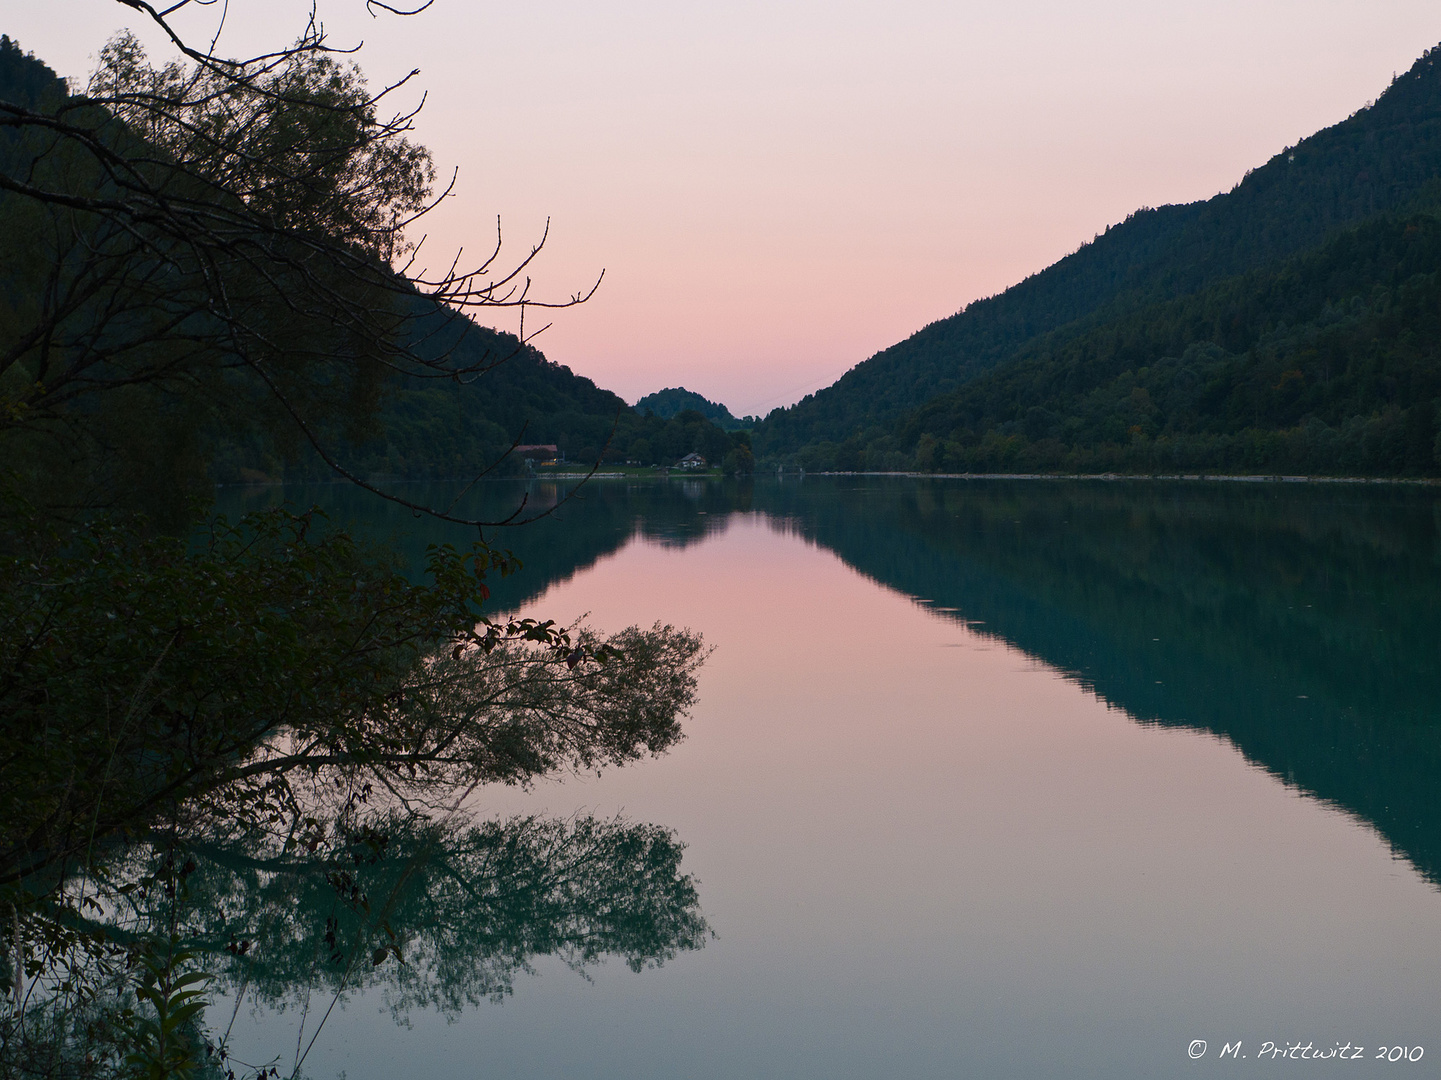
(778, 190)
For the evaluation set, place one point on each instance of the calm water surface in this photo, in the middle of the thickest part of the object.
(988, 780)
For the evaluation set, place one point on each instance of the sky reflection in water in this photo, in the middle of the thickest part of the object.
(927, 852)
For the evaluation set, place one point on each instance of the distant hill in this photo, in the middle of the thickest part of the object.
(1385, 158)
(674, 401)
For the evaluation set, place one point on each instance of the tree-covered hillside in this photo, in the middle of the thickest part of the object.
(1381, 159)
(1327, 364)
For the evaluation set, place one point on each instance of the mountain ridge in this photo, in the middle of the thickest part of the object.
(1378, 159)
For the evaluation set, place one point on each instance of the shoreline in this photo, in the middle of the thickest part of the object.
(1249, 478)
(1230, 478)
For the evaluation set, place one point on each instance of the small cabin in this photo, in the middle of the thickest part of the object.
(691, 461)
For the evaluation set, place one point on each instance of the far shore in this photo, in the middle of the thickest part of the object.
(1225, 477)
(662, 473)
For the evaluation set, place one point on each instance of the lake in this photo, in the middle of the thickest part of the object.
(987, 779)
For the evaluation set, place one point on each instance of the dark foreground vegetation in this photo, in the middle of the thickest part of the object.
(235, 754)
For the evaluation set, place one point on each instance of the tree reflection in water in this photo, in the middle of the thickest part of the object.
(424, 913)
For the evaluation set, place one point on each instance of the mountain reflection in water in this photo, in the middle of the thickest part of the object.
(1301, 622)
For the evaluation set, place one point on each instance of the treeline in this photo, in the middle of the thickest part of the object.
(1383, 160)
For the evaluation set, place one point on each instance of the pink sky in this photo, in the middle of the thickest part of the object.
(776, 191)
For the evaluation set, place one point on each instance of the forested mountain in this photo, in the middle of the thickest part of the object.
(1327, 364)
(1385, 158)
(1330, 363)
(675, 400)
(421, 425)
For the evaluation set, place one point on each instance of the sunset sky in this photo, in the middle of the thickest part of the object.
(776, 191)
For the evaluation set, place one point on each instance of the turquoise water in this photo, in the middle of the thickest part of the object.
(987, 779)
